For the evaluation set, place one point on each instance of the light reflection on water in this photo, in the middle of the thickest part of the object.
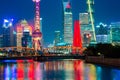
(56, 70)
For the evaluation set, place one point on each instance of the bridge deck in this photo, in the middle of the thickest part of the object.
(40, 57)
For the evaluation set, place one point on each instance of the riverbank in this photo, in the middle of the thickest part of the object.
(115, 62)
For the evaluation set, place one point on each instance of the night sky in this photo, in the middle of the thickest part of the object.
(106, 11)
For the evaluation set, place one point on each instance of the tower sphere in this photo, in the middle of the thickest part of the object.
(36, 0)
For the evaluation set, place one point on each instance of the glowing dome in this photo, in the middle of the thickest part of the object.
(36, 0)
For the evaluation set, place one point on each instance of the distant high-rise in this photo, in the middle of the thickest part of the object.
(19, 35)
(102, 33)
(1, 40)
(68, 24)
(27, 40)
(42, 40)
(115, 32)
(7, 30)
(57, 37)
(41, 24)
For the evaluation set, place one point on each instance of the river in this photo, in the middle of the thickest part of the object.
(55, 70)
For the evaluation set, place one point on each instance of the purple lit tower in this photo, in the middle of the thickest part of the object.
(37, 35)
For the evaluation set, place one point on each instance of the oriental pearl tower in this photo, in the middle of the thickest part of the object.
(37, 35)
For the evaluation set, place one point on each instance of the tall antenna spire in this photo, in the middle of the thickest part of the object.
(37, 14)
(37, 35)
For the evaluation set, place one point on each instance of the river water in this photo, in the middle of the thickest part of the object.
(55, 70)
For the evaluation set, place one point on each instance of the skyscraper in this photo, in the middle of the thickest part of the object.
(68, 24)
(27, 39)
(1, 40)
(90, 4)
(26, 27)
(87, 25)
(86, 29)
(102, 33)
(42, 40)
(115, 32)
(19, 35)
(7, 29)
(77, 40)
(57, 37)
(23, 28)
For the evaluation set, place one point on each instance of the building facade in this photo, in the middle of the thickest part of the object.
(19, 35)
(86, 29)
(68, 24)
(27, 40)
(7, 32)
(102, 33)
(114, 32)
(90, 11)
(57, 37)
(41, 30)
(23, 29)
(1, 41)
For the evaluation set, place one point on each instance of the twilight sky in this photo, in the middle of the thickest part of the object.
(106, 11)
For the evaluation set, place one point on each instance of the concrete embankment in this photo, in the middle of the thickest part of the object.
(115, 62)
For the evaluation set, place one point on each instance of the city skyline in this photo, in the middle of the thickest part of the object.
(51, 12)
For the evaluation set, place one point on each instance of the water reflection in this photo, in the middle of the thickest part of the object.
(78, 70)
(55, 70)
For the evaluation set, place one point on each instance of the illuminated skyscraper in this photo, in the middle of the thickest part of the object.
(19, 30)
(77, 40)
(87, 25)
(68, 24)
(90, 11)
(7, 29)
(42, 40)
(86, 29)
(115, 32)
(26, 26)
(57, 37)
(23, 27)
(102, 33)
(37, 35)
(41, 24)
(1, 40)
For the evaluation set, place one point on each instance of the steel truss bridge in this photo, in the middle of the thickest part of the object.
(17, 51)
